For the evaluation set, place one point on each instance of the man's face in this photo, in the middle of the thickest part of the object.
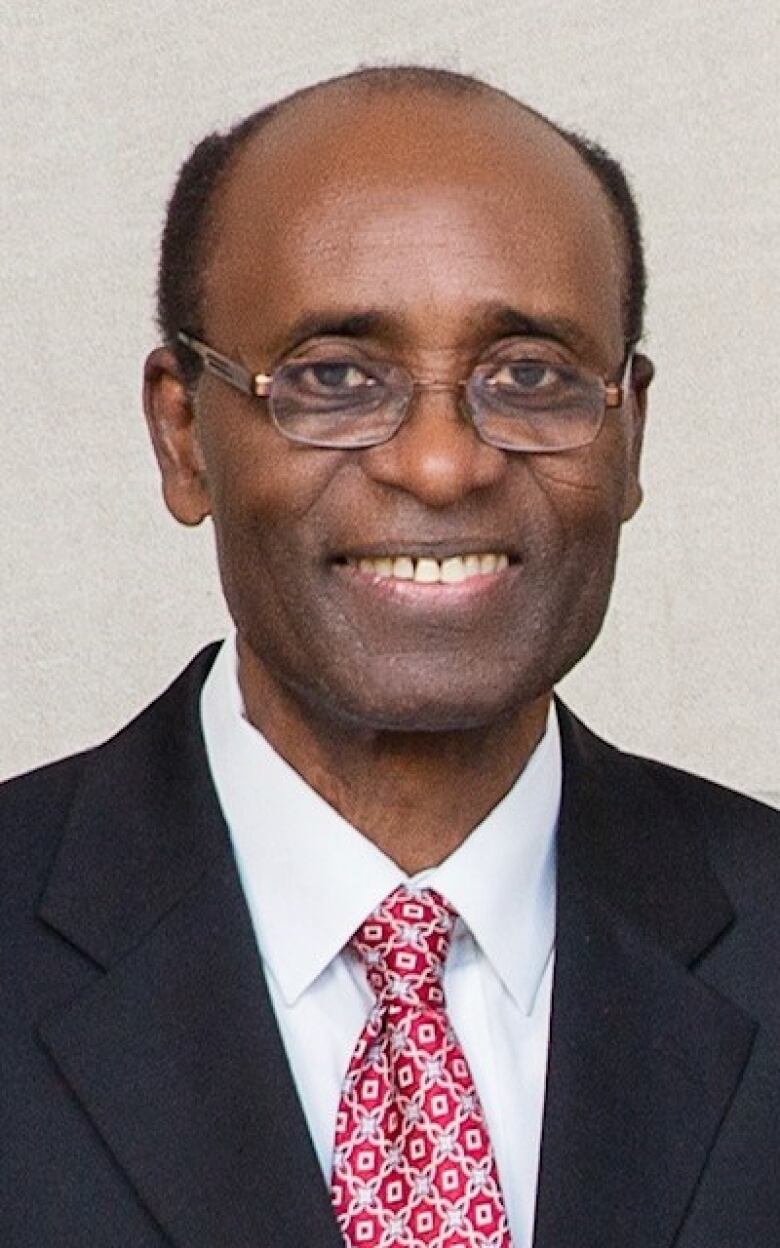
(432, 219)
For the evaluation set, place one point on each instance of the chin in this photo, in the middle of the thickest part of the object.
(418, 705)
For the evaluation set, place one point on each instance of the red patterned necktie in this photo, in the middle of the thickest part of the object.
(413, 1164)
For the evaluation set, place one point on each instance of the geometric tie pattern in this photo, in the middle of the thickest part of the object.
(413, 1164)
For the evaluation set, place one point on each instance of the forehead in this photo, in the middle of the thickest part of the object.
(416, 204)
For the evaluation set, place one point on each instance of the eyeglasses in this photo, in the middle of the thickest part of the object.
(524, 398)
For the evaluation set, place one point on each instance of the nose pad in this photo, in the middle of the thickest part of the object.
(437, 454)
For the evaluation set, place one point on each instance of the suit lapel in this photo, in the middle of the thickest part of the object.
(644, 1059)
(173, 1051)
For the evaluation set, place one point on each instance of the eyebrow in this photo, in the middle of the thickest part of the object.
(505, 322)
(494, 321)
(366, 324)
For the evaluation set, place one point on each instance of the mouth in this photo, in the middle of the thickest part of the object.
(427, 569)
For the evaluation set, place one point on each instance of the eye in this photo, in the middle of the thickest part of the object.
(330, 377)
(526, 376)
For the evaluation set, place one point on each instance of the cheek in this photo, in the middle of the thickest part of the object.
(258, 479)
(574, 540)
(267, 562)
(585, 490)
(275, 508)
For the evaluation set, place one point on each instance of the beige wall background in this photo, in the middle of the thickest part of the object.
(103, 598)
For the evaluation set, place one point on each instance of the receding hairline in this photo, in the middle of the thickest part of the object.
(400, 81)
(193, 218)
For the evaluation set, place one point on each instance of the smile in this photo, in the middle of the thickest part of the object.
(426, 570)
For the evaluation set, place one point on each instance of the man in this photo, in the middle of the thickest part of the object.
(353, 937)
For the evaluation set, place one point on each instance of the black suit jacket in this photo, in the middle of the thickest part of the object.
(147, 1100)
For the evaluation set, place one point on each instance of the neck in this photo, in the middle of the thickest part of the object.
(415, 795)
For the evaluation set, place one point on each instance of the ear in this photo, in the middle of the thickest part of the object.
(173, 429)
(641, 375)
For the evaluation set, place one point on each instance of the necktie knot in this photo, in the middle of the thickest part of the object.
(404, 945)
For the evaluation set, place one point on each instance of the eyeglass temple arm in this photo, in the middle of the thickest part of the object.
(234, 374)
(615, 392)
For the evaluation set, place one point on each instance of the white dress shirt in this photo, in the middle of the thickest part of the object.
(310, 879)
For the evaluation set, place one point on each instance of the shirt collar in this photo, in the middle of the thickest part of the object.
(310, 878)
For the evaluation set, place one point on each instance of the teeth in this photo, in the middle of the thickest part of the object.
(452, 570)
(427, 571)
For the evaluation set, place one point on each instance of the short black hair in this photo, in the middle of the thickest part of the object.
(190, 209)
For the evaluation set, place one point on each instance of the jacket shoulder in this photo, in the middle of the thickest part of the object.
(707, 799)
(741, 835)
(35, 806)
(33, 810)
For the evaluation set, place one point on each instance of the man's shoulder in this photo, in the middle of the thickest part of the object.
(35, 804)
(741, 834)
(697, 794)
(33, 808)
(703, 797)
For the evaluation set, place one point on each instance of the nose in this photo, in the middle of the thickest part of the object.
(437, 454)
